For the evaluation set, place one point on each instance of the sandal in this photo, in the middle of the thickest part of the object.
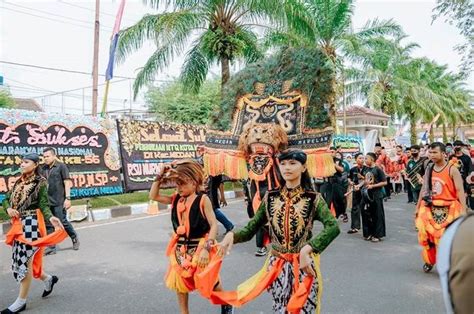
(368, 238)
(345, 218)
(351, 231)
(427, 267)
(374, 239)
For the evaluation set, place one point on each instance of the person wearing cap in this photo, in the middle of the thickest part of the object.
(464, 165)
(291, 272)
(27, 205)
(59, 194)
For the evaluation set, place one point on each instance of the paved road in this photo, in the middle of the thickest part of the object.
(121, 265)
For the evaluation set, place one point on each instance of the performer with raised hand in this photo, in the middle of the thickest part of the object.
(291, 272)
(194, 225)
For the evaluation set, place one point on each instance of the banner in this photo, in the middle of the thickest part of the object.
(146, 145)
(87, 145)
(349, 144)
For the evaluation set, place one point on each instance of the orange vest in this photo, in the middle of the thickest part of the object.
(443, 185)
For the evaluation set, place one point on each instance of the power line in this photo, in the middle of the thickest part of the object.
(50, 19)
(53, 14)
(57, 69)
(92, 10)
(30, 85)
(72, 71)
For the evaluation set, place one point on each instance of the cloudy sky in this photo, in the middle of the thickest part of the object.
(59, 35)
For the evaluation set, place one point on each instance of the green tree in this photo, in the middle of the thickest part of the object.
(224, 31)
(373, 75)
(171, 104)
(6, 100)
(327, 24)
(461, 14)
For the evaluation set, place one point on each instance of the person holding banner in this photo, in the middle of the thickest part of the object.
(291, 272)
(195, 228)
(27, 205)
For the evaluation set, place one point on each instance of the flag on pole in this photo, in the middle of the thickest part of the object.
(109, 74)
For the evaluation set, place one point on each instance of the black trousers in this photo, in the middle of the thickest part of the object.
(334, 193)
(60, 213)
(373, 219)
(409, 190)
(356, 210)
(388, 188)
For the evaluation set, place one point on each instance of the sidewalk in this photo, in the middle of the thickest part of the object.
(101, 214)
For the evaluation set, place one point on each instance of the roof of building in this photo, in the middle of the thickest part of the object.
(27, 104)
(361, 111)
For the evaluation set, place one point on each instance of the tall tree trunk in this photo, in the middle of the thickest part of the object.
(225, 73)
(445, 133)
(332, 104)
(454, 131)
(432, 134)
(413, 135)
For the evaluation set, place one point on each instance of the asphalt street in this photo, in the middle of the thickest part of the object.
(121, 265)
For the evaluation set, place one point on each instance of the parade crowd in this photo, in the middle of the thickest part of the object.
(437, 179)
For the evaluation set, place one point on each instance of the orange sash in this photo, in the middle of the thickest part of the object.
(254, 286)
(16, 234)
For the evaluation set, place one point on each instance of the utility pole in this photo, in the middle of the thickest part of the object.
(95, 67)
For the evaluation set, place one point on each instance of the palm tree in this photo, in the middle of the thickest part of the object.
(328, 24)
(373, 75)
(222, 31)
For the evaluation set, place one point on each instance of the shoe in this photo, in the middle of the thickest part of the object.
(50, 250)
(368, 238)
(75, 244)
(345, 219)
(7, 311)
(374, 239)
(351, 231)
(227, 309)
(427, 267)
(261, 251)
(54, 281)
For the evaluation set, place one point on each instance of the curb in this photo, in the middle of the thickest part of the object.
(125, 210)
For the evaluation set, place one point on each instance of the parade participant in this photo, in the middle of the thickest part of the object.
(449, 150)
(194, 225)
(384, 162)
(443, 200)
(217, 196)
(399, 166)
(416, 166)
(27, 204)
(406, 183)
(463, 163)
(333, 188)
(373, 217)
(356, 178)
(59, 195)
(291, 273)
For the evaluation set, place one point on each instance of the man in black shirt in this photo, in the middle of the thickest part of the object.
(464, 165)
(373, 218)
(59, 194)
(333, 188)
(356, 177)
